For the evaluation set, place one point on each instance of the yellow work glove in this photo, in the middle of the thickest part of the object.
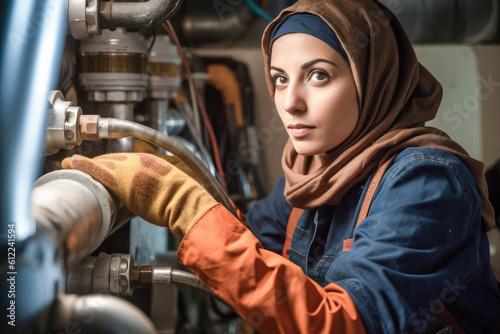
(150, 187)
(144, 147)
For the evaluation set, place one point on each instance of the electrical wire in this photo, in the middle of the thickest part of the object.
(195, 112)
(168, 28)
(152, 42)
(258, 11)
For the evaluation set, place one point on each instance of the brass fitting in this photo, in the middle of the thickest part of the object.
(89, 127)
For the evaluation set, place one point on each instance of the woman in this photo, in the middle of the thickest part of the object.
(352, 96)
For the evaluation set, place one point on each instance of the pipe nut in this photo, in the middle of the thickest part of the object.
(92, 17)
(77, 19)
(116, 96)
(125, 265)
(71, 126)
(89, 127)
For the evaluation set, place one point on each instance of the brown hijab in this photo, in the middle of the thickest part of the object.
(397, 95)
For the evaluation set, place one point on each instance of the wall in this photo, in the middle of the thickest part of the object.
(469, 112)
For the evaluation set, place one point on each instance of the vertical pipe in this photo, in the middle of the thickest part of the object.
(31, 45)
(158, 109)
(120, 110)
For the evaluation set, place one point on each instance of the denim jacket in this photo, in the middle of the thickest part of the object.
(421, 242)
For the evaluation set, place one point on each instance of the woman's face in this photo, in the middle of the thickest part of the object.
(315, 93)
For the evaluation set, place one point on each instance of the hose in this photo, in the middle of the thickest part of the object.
(112, 128)
(191, 280)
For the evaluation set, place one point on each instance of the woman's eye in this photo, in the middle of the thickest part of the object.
(319, 76)
(279, 80)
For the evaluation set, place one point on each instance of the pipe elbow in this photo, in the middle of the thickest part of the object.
(99, 314)
(137, 14)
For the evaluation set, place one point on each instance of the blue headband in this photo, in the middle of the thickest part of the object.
(308, 24)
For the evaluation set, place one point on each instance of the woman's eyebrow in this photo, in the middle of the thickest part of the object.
(276, 69)
(319, 60)
(306, 65)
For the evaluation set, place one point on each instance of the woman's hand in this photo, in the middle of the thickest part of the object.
(150, 187)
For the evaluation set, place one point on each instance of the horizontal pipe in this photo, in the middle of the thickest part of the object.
(77, 209)
(98, 314)
(137, 14)
(207, 27)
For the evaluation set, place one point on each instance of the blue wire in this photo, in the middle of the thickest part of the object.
(257, 10)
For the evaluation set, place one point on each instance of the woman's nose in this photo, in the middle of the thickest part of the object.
(294, 99)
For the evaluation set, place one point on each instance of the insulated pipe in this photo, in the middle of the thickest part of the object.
(78, 210)
(211, 28)
(93, 127)
(98, 314)
(438, 21)
(137, 14)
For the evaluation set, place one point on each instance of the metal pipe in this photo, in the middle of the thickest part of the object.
(157, 111)
(32, 36)
(98, 314)
(100, 275)
(137, 14)
(189, 279)
(31, 46)
(439, 21)
(166, 276)
(120, 111)
(202, 28)
(77, 209)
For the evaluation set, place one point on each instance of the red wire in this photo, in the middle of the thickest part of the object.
(201, 105)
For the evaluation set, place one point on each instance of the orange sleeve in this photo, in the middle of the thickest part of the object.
(271, 293)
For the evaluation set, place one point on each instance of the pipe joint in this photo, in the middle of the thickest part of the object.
(83, 16)
(87, 18)
(62, 129)
(92, 209)
(137, 14)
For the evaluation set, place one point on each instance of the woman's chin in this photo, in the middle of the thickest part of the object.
(306, 150)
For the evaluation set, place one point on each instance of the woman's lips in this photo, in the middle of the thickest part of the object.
(300, 130)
